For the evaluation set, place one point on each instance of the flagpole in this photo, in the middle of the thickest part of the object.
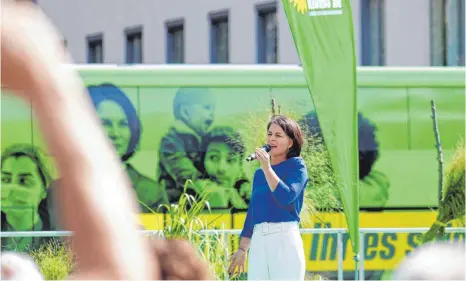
(356, 267)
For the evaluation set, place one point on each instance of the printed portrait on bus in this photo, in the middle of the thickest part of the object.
(181, 152)
(374, 185)
(121, 122)
(223, 162)
(25, 180)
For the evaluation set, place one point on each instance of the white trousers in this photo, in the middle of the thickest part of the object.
(276, 252)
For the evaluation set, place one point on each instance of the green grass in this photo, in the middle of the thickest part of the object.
(452, 204)
(184, 222)
(55, 260)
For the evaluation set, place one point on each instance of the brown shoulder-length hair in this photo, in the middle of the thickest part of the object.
(292, 130)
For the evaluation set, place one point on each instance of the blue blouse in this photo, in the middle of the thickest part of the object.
(284, 203)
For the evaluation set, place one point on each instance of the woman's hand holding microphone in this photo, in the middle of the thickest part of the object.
(264, 158)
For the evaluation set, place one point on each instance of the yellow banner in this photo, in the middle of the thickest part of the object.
(382, 251)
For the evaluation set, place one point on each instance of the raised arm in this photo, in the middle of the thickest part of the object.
(287, 190)
(96, 200)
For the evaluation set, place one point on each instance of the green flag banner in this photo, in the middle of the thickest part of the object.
(323, 35)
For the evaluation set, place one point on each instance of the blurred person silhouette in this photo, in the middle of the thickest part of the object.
(434, 261)
(16, 266)
(97, 190)
(179, 260)
(35, 69)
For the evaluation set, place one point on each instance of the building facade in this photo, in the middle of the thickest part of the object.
(387, 32)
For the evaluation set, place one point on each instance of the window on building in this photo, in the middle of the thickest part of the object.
(175, 41)
(134, 51)
(373, 32)
(447, 32)
(267, 43)
(95, 49)
(219, 49)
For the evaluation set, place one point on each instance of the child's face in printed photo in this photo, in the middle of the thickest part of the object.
(199, 116)
(22, 188)
(116, 125)
(222, 163)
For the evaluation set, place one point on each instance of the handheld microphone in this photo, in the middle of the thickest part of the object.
(265, 148)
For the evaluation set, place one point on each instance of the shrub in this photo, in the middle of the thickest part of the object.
(452, 204)
(55, 260)
(184, 222)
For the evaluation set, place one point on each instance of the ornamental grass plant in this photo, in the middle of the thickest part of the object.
(452, 203)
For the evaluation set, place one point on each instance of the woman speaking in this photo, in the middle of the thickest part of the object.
(272, 222)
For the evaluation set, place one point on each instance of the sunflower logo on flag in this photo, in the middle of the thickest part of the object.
(318, 7)
(300, 5)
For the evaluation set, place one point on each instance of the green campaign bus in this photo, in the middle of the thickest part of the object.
(170, 123)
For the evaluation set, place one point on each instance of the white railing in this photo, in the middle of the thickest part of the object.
(338, 231)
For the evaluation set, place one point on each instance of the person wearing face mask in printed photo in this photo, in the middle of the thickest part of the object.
(25, 179)
(223, 163)
(180, 152)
